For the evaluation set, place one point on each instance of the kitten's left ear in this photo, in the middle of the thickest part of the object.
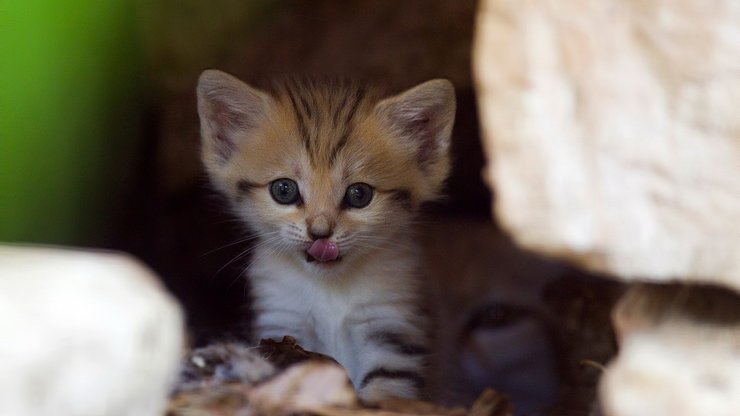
(423, 116)
(229, 110)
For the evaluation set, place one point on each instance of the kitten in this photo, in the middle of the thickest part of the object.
(330, 178)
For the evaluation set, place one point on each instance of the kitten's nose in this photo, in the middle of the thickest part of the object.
(315, 236)
(319, 227)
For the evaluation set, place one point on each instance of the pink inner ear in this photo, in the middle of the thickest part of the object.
(420, 128)
(225, 147)
(224, 117)
(226, 122)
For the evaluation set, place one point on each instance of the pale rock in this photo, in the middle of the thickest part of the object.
(679, 352)
(675, 370)
(84, 333)
(612, 132)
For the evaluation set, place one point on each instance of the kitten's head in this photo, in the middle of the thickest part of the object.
(325, 173)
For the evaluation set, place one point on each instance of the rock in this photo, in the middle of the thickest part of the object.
(677, 370)
(679, 352)
(611, 132)
(84, 333)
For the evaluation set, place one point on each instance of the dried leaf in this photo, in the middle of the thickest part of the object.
(305, 387)
(492, 403)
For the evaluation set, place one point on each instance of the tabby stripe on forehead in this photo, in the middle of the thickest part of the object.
(347, 125)
(302, 127)
(305, 104)
(382, 372)
(338, 109)
(398, 343)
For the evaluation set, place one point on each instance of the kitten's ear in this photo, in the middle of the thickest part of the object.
(228, 110)
(423, 116)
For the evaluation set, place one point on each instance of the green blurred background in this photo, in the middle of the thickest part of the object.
(76, 81)
(69, 123)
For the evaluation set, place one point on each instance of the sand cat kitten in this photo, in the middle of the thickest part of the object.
(330, 178)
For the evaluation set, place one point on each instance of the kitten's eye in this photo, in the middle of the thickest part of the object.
(285, 191)
(358, 195)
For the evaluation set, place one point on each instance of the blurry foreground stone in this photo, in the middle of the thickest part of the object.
(675, 371)
(612, 134)
(612, 141)
(84, 333)
(679, 353)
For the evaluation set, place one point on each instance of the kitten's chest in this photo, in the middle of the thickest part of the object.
(310, 310)
(323, 314)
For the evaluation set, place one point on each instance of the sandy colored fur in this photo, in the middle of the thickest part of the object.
(326, 137)
(372, 149)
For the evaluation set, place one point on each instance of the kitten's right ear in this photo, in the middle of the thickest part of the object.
(228, 110)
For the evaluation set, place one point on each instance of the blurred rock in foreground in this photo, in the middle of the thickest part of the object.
(611, 132)
(679, 353)
(84, 333)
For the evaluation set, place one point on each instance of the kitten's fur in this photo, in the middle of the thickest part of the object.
(363, 309)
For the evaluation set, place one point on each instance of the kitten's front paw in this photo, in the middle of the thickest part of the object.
(382, 385)
(222, 363)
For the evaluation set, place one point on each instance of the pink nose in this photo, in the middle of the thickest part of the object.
(320, 226)
(324, 250)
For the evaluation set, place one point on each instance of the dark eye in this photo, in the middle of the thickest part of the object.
(285, 191)
(358, 195)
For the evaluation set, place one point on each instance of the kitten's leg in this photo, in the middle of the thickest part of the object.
(277, 323)
(390, 356)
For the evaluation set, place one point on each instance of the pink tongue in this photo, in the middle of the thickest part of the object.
(324, 250)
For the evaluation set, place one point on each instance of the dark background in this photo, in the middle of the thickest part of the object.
(174, 221)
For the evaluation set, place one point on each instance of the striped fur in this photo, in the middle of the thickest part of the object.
(361, 310)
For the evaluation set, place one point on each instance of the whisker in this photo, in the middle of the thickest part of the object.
(239, 241)
(246, 252)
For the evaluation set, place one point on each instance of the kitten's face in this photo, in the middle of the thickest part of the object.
(326, 175)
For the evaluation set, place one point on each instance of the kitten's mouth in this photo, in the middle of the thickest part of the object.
(310, 259)
(323, 251)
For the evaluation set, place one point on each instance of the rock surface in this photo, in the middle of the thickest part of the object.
(679, 352)
(678, 370)
(611, 132)
(84, 334)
